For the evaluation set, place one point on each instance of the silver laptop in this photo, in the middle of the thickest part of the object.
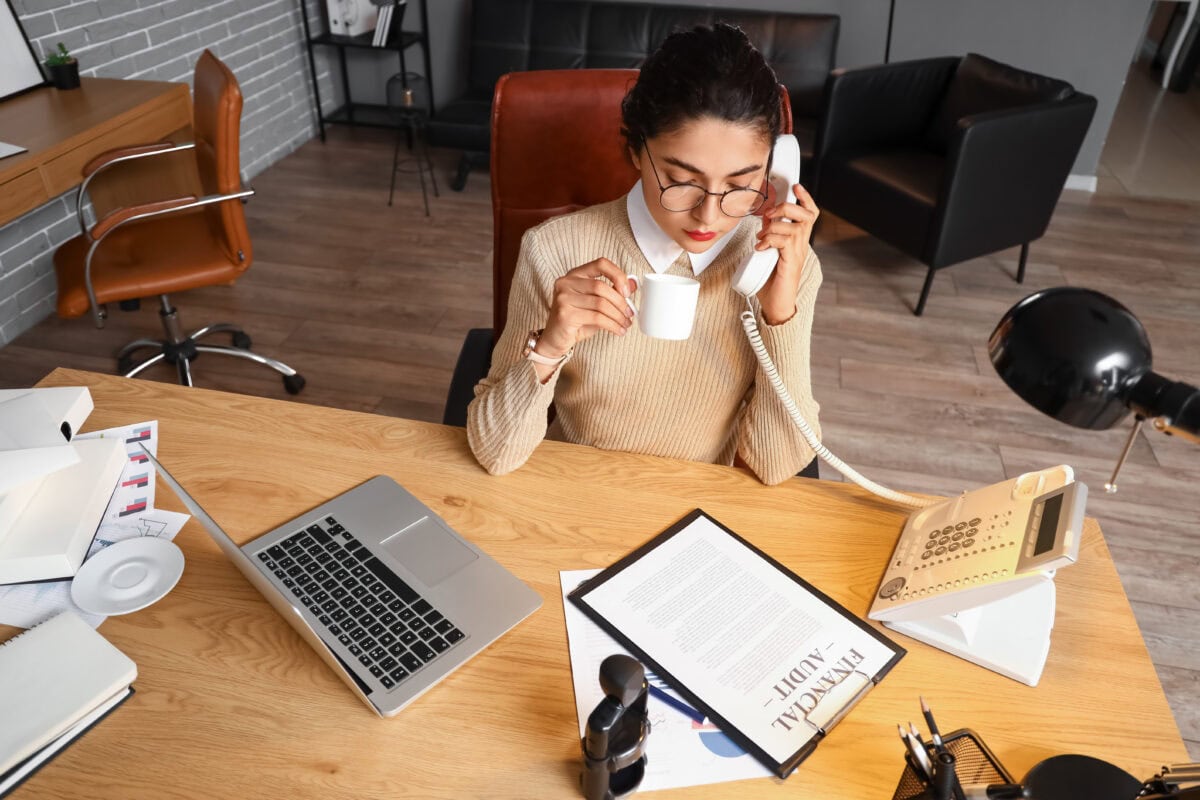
(384, 591)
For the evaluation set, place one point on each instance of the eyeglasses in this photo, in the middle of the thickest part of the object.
(685, 196)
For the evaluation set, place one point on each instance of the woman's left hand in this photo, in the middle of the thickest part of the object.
(787, 227)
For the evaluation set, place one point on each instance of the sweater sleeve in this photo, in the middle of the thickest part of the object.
(508, 417)
(768, 440)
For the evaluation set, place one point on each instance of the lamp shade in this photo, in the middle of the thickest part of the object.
(1073, 354)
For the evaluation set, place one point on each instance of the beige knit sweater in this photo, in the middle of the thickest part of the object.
(702, 399)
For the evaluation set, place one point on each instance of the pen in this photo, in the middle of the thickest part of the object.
(677, 704)
(916, 752)
(933, 728)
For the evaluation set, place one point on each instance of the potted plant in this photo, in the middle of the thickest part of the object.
(63, 68)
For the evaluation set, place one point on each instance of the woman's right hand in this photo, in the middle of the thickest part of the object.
(586, 300)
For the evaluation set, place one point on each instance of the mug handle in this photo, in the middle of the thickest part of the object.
(637, 284)
(629, 300)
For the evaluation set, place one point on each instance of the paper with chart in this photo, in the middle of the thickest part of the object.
(130, 513)
(682, 750)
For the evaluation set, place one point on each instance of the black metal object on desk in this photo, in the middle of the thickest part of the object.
(973, 761)
(614, 742)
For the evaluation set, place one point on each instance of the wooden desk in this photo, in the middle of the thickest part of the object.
(232, 703)
(64, 130)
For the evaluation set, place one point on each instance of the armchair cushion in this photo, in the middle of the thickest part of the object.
(896, 188)
(981, 84)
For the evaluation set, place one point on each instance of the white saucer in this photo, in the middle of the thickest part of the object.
(127, 576)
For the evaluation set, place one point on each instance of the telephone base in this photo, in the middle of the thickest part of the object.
(1010, 636)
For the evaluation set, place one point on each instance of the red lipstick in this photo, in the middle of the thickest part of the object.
(701, 236)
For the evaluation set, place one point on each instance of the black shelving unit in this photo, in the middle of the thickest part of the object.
(366, 114)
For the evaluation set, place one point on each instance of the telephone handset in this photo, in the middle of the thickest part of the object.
(757, 267)
(750, 277)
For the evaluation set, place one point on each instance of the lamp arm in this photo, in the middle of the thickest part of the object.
(1172, 406)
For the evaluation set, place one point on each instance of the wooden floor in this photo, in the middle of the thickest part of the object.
(371, 303)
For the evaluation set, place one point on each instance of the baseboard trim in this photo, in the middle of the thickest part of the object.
(1081, 183)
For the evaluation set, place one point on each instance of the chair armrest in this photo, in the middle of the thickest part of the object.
(123, 215)
(118, 155)
(1005, 171)
(474, 361)
(880, 104)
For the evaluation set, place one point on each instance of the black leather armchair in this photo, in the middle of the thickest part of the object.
(949, 158)
(520, 35)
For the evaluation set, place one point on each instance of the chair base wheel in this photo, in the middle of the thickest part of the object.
(293, 383)
(242, 341)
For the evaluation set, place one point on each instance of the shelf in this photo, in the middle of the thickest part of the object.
(370, 115)
(363, 40)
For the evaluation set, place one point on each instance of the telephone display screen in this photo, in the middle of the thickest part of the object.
(1049, 525)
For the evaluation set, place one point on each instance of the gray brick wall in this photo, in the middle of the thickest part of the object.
(262, 41)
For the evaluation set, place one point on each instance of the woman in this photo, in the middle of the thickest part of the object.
(699, 124)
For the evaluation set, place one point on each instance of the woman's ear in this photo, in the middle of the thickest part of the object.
(635, 158)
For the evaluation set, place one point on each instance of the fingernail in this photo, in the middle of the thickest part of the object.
(632, 307)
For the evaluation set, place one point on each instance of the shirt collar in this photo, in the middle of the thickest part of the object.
(659, 248)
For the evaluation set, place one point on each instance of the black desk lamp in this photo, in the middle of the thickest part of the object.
(1084, 359)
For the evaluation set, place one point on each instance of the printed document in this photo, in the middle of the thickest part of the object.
(770, 658)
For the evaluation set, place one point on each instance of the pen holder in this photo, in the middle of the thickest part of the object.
(974, 763)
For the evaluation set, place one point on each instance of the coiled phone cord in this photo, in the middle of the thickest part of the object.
(760, 351)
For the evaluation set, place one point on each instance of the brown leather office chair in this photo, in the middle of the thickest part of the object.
(167, 246)
(556, 148)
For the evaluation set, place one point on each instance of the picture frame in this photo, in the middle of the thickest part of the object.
(19, 67)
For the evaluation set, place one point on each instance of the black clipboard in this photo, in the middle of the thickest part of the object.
(783, 767)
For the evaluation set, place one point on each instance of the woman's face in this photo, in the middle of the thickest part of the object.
(714, 154)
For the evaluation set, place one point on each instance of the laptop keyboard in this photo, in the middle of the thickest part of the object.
(382, 621)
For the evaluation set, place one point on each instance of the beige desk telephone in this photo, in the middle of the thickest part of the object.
(972, 575)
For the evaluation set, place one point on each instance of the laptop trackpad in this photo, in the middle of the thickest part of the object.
(428, 551)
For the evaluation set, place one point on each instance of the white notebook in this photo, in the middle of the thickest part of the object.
(51, 677)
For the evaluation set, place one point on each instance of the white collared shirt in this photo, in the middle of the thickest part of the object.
(659, 248)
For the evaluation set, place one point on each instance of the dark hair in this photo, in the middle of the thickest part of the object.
(704, 72)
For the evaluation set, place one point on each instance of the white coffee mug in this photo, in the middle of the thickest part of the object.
(666, 305)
